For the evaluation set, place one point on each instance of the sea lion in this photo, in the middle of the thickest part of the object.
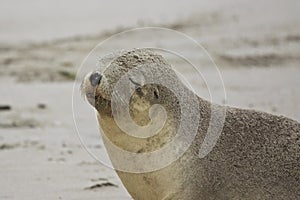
(257, 155)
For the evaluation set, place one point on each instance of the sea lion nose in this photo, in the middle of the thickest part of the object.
(95, 78)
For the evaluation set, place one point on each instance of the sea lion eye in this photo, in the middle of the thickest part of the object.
(139, 91)
(138, 87)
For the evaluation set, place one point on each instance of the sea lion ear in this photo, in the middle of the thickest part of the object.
(156, 92)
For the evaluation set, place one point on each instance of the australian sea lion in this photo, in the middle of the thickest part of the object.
(257, 155)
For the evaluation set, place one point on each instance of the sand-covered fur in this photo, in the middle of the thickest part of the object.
(256, 157)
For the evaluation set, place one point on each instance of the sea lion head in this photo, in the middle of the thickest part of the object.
(157, 100)
(139, 70)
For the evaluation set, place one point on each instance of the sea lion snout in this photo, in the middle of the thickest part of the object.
(95, 78)
(89, 86)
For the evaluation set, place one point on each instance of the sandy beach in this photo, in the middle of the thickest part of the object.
(255, 44)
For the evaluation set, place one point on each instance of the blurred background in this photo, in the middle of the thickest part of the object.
(255, 44)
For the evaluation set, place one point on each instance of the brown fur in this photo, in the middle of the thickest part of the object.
(256, 157)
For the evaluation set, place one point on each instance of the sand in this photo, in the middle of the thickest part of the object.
(255, 45)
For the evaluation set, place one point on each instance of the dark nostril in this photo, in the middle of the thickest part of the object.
(95, 79)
